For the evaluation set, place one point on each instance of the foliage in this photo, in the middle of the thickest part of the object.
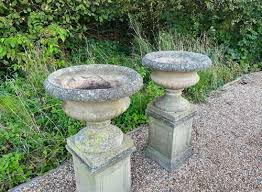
(19, 15)
(236, 23)
(136, 111)
(13, 49)
(33, 125)
(25, 24)
(10, 165)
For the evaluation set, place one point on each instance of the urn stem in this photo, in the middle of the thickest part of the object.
(98, 125)
(176, 92)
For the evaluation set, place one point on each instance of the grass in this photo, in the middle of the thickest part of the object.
(33, 126)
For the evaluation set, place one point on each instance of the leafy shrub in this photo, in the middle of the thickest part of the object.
(13, 49)
(33, 127)
(28, 24)
(24, 23)
(236, 23)
(18, 15)
(136, 111)
(12, 170)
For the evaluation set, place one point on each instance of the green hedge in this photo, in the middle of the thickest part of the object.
(236, 23)
(24, 15)
(46, 23)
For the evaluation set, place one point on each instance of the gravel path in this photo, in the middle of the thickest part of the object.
(227, 142)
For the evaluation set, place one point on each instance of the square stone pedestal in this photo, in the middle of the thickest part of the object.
(102, 172)
(170, 136)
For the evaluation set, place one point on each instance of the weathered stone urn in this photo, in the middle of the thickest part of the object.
(171, 115)
(95, 94)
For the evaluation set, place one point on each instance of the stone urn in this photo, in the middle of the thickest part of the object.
(95, 94)
(171, 115)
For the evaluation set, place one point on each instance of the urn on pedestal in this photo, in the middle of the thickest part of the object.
(171, 115)
(95, 94)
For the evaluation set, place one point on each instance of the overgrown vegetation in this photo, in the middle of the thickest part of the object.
(38, 37)
(237, 23)
(34, 127)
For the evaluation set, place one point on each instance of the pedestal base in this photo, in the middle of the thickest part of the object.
(116, 177)
(166, 163)
(170, 136)
(102, 172)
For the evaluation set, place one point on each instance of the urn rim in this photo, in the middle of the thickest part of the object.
(120, 82)
(180, 61)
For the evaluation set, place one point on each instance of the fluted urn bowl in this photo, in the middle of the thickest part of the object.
(175, 71)
(95, 94)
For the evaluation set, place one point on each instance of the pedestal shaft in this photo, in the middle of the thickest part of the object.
(170, 136)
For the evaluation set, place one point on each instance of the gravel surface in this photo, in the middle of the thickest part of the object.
(227, 140)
